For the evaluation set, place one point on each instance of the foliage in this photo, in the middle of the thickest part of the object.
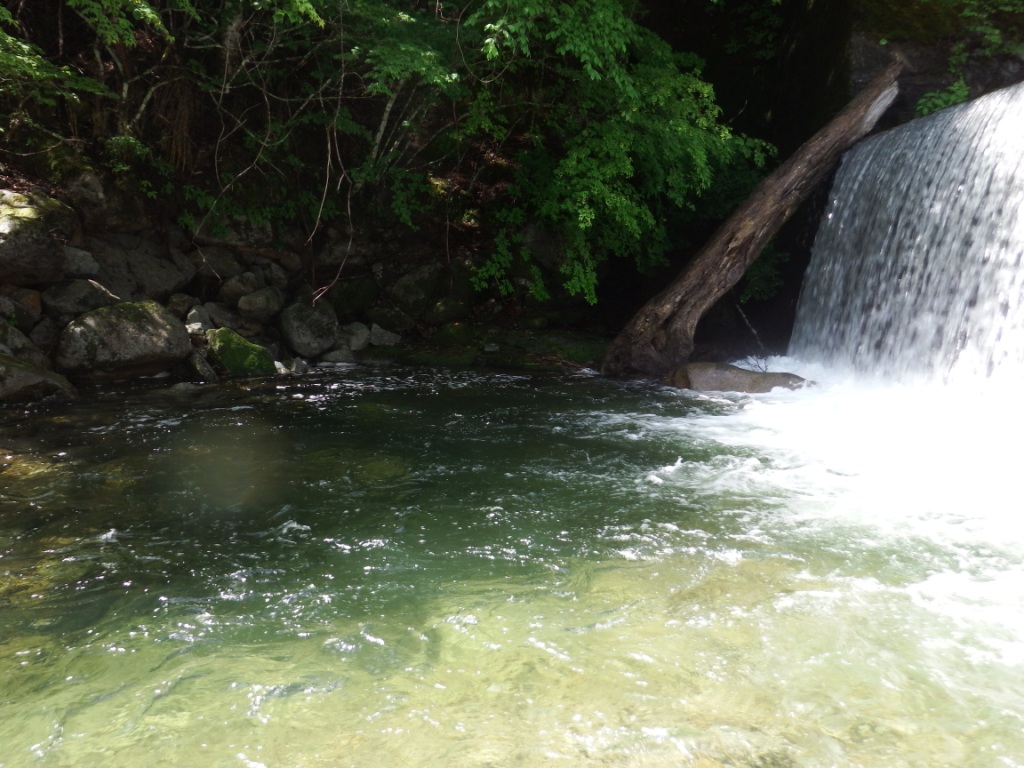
(763, 279)
(630, 138)
(987, 29)
(956, 93)
(757, 28)
(993, 27)
(486, 122)
(28, 78)
(975, 30)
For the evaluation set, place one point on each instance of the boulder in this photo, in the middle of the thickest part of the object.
(309, 330)
(262, 304)
(382, 337)
(272, 274)
(80, 263)
(722, 377)
(413, 291)
(353, 297)
(237, 286)
(215, 262)
(20, 381)
(337, 355)
(197, 368)
(390, 317)
(21, 306)
(46, 333)
(30, 225)
(123, 340)
(73, 297)
(14, 342)
(237, 356)
(198, 320)
(135, 267)
(179, 304)
(103, 206)
(354, 336)
(222, 317)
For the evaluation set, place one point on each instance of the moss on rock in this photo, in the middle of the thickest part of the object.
(237, 356)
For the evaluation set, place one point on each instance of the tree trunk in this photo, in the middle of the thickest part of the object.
(660, 336)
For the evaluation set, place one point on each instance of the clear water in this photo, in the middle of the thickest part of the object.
(384, 567)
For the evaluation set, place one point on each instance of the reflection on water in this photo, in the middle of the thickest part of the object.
(379, 567)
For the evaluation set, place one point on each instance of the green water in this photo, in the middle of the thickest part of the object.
(382, 567)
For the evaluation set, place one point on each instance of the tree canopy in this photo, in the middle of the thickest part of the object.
(489, 118)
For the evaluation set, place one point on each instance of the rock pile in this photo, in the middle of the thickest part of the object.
(81, 307)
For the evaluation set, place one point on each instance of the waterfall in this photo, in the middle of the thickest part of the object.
(916, 267)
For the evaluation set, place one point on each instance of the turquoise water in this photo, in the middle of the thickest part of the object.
(387, 567)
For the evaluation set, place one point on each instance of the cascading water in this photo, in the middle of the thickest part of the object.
(916, 268)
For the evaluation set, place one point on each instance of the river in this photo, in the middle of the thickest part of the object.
(377, 566)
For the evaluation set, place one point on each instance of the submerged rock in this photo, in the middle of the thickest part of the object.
(20, 381)
(722, 377)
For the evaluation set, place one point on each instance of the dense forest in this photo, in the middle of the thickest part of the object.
(616, 133)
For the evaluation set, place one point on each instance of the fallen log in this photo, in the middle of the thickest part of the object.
(659, 337)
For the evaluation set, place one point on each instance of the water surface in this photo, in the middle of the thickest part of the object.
(381, 567)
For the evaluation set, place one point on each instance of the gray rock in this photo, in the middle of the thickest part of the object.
(103, 207)
(262, 304)
(390, 317)
(352, 297)
(122, 340)
(354, 336)
(79, 263)
(30, 254)
(222, 317)
(290, 262)
(722, 377)
(238, 229)
(21, 346)
(338, 355)
(198, 321)
(28, 306)
(8, 309)
(381, 337)
(179, 304)
(309, 330)
(20, 381)
(412, 292)
(274, 274)
(199, 368)
(215, 262)
(236, 287)
(134, 267)
(46, 333)
(74, 297)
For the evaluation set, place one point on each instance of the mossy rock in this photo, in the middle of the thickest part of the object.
(237, 356)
